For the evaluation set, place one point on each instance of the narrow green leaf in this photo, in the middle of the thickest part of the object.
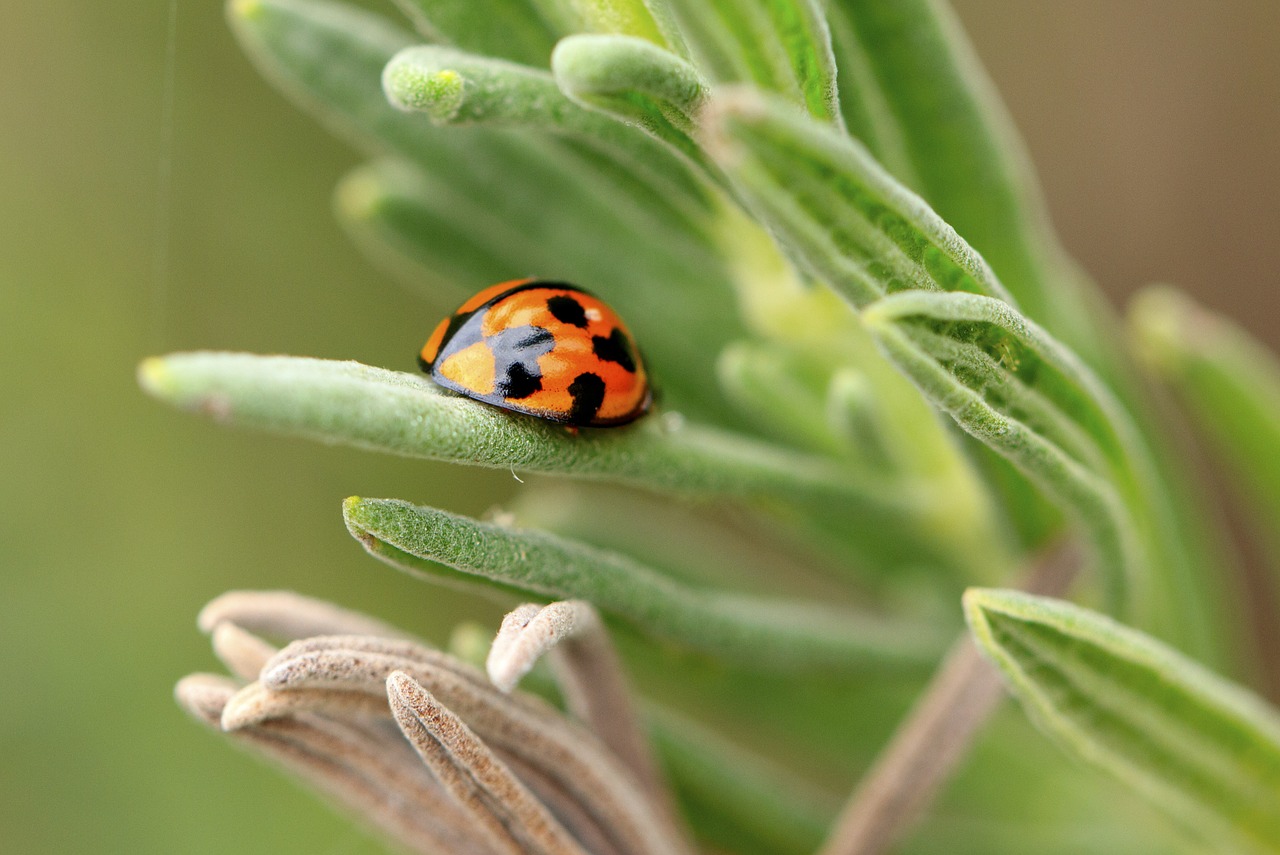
(1032, 381)
(783, 391)
(329, 57)
(783, 46)
(771, 634)
(697, 544)
(856, 418)
(864, 105)
(836, 211)
(1231, 384)
(455, 88)
(1008, 384)
(916, 94)
(380, 410)
(1202, 749)
(618, 17)
(633, 80)
(801, 27)
(511, 29)
(433, 237)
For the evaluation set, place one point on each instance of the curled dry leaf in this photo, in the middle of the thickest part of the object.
(590, 676)
(418, 744)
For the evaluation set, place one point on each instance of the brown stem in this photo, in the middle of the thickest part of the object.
(936, 734)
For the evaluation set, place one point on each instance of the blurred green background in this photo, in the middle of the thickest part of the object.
(1153, 124)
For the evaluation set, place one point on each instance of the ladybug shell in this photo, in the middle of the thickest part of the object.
(548, 349)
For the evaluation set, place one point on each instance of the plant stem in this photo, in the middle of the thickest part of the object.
(935, 736)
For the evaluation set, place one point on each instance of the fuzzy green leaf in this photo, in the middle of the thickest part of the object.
(330, 57)
(1034, 402)
(618, 17)
(772, 634)
(1193, 744)
(511, 29)
(836, 211)
(856, 418)
(1230, 383)
(784, 392)
(456, 88)
(1011, 386)
(432, 236)
(783, 46)
(478, 185)
(380, 410)
(635, 81)
(914, 91)
(916, 94)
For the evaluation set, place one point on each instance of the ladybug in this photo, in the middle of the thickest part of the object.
(547, 349)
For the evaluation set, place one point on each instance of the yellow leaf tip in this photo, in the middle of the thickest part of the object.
(153, 376)
(246, 9)
(360, 196)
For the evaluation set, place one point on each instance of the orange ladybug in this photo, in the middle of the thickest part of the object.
(547, 349)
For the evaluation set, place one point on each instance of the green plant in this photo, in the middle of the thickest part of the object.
(869, 345)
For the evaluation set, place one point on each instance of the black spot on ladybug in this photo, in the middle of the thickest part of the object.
(515, 357)
(587, 390)
(615, 348)
(567, 310)
(518, 382)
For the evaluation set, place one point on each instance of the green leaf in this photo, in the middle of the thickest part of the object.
(1008, 373)
(771, 634)
(691, 543)
(782, 46)
(636, 81)
(915, 93)
(848, 223)
(431, 236)
(512, 29)
(478, 185)
(856, 418)
(619, 17)
(456, 88)
(330, 57)
(1015, 389)
(1202, 749)
(836, 211)
(919, 98)
(1230, 383)
(784, 392)
(380, 410)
